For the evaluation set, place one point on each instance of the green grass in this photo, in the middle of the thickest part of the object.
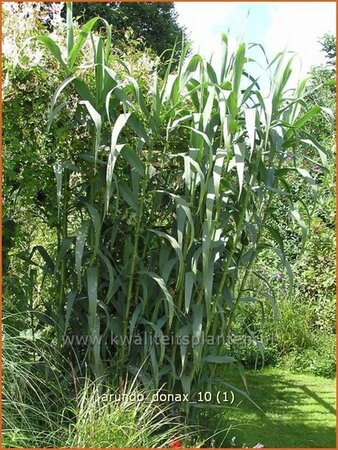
(119, 420)
(299, 412)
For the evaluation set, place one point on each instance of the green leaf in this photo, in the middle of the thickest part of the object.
(111, 277)
(97, 121)
(166, 293)
(320, 149)
(183, 205)
(108, 40)
(45, 255)
(54, 114)
(226, 86)
(207, 111)
(217, 173)
(57, 94)
(186, 385)
(211, 73)
(134, 320)
(224, 57)
(113, 154)
(308, 116)
(96, 220)
(178, 251)
(184, 334)
(96, 117)
(232, 104)
(43, 318)
(236, 389)
(199, 133)
(239, 161)
(297, 217)
(92, 291)
(83, 91)
(304, 173)
(135, 88)
(79, 246)
(70, 31)
(288, 268)
(194, 62)
(302, 121)
(58, 170)
(53, 48)
(99, 71)
(277, 238)
(250, 123)
(159, 333)
(188, 289)
(133, 159)
(93, 320)
(65, 246)
(128, 196)
(69, 307)
(85, 30)
(197, 325)
(238, 67)
(137, 126)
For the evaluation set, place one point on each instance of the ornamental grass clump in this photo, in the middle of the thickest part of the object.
(164, 212)
(35, 394)
(115, 419)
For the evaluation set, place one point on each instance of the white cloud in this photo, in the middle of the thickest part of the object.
(297, 27)
(205, 21)
(292, 25)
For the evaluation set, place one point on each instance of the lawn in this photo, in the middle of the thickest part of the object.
(299, 411)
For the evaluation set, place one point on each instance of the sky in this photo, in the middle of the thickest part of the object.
(293, 26)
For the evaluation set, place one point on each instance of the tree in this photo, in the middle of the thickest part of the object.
(324, 79)
(328, 43)
(155, 23)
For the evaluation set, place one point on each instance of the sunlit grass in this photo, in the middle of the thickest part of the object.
(299, 411)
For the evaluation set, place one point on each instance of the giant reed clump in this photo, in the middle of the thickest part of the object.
(161, 221)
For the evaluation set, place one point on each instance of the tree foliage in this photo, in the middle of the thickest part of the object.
(155, 23)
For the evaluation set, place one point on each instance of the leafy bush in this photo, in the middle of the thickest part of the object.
(319, 359)
(292, 340)
(272, 334)
(292, 327)
(315, 281)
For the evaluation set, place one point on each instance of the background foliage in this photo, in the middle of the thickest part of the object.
(154, 24)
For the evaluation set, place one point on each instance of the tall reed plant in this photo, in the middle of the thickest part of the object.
(163, 214)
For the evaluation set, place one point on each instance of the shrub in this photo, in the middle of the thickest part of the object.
(273, 333)
(292, 340)
(319, 359)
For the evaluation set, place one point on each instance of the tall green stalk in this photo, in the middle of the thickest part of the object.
(175, 184)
